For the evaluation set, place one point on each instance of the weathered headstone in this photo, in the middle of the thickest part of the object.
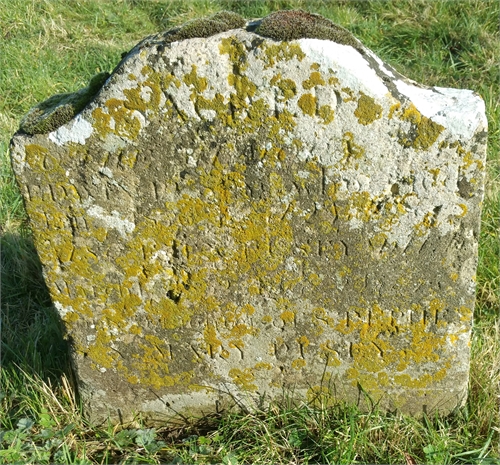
(250, 209)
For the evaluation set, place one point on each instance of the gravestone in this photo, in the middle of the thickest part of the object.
(243, 210)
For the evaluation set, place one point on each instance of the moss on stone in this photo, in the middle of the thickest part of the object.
(59, 109)
(299, 24)
(221, 21)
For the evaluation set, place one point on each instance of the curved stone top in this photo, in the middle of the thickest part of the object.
(441, 105)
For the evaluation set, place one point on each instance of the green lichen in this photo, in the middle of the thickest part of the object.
(59, 109)
(299, 24)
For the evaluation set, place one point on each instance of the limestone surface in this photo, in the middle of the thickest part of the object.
(233, 217)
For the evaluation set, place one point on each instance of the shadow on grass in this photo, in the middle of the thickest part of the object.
(31, 330)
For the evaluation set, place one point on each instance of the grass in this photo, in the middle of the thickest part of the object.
(447, 43)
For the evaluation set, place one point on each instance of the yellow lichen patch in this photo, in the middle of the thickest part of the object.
(280, 125)
(320, 317)
(245, 89)
(288, 317)
(263, 366)
(100, 351)
(468, 159)
(333, 80)
(217, 104)
(378, 240)
(307, 103)
(236, 334)
(349, 94)
(298, 363)
(35, 156)
(118, 120)
(70, 318)
(424, 131)
(428, 221)
(350, 148)
(213, 344)
(395, 107)
(263, 239)
(303, 342)
(135, 329)
(236, 51)
(409, 382)
(287, 86)
(367, 110)
(152, 365)
(329, 354)
(436, 306)
(199, 84)
(326, 113)
(285, 51)
(360, 205)
(254, 290)
(243, 378)
(368, 355)
(375, 353)
(168, 313)
(272, 156)
(314, 80)
(435, 173)
(248, 309)
(314, 279)
(464, 210)
(465, 313)
(193, 211)
(146, 95)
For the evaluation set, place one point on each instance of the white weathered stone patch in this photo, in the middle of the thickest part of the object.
(113, 221)
(62, 310)
(462, 112)
(347, 63)
(77, 131)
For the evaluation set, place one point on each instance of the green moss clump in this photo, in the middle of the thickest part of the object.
(299, 24)
(59, 109)
(205, 27)
(231, 19)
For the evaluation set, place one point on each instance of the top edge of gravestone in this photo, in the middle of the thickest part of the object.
(462, 111)
(283, 25)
